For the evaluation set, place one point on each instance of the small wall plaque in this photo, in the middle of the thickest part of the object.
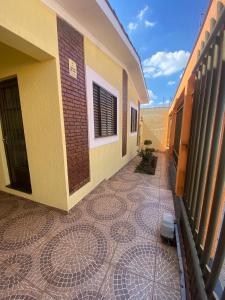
(72, 68)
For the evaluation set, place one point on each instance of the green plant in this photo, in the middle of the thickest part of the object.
(146, 153)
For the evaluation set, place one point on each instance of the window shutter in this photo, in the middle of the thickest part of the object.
(133, 120)
(105, 112)
(96, 104)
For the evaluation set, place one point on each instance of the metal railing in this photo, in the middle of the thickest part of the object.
(205, 174)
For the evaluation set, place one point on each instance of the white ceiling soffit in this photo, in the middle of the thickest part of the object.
(95, 19)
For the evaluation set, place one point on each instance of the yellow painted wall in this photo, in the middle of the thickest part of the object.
(106, 160)
(29, 26)
(154, 126)
(39, 97)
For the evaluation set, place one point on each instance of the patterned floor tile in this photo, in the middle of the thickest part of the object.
(162, 292)
(166, 195)
(9, 207)
(70, 247)
(26, 231)
(111, 240)
(118, 186)
(47, 254)
(142, 196)
(137, 256)
(21, 291)
(147, 227)
(122, 232)
(107, 207)
(121, 284)
(79, 280)
(167, 268)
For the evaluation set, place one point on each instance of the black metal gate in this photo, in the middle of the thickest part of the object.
(205, 177)
(13, 136)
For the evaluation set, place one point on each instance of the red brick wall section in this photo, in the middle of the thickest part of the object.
(71, 46)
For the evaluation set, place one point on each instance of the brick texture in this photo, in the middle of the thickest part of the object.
(71, 46)
(124, 114)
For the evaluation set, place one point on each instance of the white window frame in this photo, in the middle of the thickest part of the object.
(92, 76)
(135, 107)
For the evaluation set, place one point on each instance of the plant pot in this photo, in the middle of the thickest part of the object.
(147, 166)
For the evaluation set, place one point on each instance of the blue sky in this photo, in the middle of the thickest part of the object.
(163, 32)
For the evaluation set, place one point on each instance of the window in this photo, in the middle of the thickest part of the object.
(105, 112)
(133, 127)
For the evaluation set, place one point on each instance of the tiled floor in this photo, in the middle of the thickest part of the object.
(108, 247)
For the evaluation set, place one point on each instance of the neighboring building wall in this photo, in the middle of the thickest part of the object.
(154, 126)
(106, 153)
(71, 46)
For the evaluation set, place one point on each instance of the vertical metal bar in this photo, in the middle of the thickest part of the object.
(216, 203)
(212, 165)
(196, 99)
(220, 251)
(214, 148)
(202, 134)
(196, 134)
(208, 127)
(193, 253)
(199, 132)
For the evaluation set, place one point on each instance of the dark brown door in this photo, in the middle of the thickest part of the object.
(13, 135)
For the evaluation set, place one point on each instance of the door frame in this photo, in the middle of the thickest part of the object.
(4, 150)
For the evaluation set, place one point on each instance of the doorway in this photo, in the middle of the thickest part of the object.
(13, 136)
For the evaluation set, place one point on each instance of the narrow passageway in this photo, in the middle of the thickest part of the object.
(107, 247)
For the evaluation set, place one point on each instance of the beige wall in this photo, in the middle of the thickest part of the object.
(154, 126)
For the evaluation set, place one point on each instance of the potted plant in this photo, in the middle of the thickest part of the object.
(148, 160)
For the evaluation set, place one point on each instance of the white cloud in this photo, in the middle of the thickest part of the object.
(132, 26)
(142, 13)
(171, 82)
(152, 96)
(149, 24)
(165, 63)
(167, 101)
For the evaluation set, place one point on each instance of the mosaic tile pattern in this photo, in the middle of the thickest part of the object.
(122, 284)
(106, 207)
(123, 232)
(8, 206)
(162, 292)
(107, 247)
